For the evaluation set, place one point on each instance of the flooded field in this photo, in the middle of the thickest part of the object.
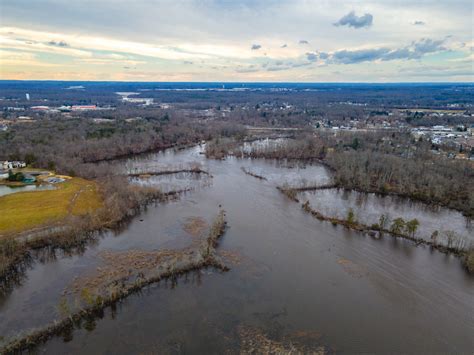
(369, 207)
(291, 174)
(263, 144)
(294, 282)
(174, 181)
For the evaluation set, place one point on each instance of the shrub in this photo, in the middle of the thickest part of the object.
(397, 225)
(469, 261)
(351, 216)
(412, 226)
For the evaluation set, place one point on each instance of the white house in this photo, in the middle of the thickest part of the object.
(13, 164)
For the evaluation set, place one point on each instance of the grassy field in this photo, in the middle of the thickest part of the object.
(25, 210)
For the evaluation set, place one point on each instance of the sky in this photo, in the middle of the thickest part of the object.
(238, 40)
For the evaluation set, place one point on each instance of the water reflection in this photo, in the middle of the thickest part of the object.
(368, 208)
(6, 190)
(291, 275)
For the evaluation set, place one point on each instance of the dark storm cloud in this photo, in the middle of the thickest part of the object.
(352, 20)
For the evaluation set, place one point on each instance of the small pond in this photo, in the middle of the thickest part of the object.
(6, 190)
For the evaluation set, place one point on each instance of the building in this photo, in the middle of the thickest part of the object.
(13, 164)
(83, 107)
(40, 108)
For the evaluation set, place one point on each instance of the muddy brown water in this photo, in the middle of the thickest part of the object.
(291, 273)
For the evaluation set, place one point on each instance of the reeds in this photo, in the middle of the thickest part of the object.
(204, 256)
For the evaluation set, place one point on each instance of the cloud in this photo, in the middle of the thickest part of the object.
(108, 61)
(247, 69)
(303, 41)
(415, 50)
(438, 71)
(323, 55)
(418, 23)
(300, 64)
(357, 56)
(94, 28)
(352, 20)
(426, 45)
(58, 44)
(255, 47)
(312, 57)
(277, 68)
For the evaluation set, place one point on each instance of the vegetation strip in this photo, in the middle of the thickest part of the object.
(77, 232)
(248, 172)
(374, 162)
(203, 256)
(169, 172)
(396, 229)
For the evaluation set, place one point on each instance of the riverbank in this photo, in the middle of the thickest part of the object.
(371, 167)
(120, 202)
(146, 173)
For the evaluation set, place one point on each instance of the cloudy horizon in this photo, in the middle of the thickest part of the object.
(218, 40)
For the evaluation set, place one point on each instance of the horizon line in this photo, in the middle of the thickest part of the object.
(240, 82)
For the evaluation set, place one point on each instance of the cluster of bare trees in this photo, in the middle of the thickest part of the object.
(306, 148)
(441, 181)
(68, 145)
(383, 162)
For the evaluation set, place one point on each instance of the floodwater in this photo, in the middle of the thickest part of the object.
(291, 275)
(6, 190)
(174, 182)
(368, 208)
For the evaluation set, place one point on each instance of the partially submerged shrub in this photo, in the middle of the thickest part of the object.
(351, 216)
(469, 261)
(397, 225)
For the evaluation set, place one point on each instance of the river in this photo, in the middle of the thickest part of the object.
(291, 277)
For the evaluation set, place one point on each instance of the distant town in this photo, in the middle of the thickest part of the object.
(448, 126)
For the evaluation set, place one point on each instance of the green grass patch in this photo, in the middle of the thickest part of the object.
(26, 210)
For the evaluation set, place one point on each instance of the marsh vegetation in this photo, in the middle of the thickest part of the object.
(291, 273)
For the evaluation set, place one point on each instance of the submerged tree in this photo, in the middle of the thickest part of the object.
(412, 226)
(383, 220)
(397, 225)
(450, 236)
(351, 216)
